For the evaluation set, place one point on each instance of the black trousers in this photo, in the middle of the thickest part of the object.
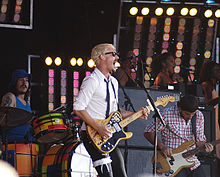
(115, 169)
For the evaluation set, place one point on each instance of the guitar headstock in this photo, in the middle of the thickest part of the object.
(163, 101)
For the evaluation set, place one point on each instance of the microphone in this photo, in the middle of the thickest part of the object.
(186, 68)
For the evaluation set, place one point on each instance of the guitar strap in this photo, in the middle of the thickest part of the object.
(194, 126)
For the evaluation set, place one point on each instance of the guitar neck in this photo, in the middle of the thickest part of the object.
(130, 119)
(198, 149)
(163, 101)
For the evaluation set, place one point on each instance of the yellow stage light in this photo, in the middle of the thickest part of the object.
(133, 10)
(170, 11)
(48, 61)
(193, 12)
(145, 11)
(91, 63)
(73, 61)
(208, 13)
(217, 13)
(184, 11)
(159, 11)
(79, 61)
(58, 61)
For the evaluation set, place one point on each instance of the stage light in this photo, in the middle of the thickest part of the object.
(145, 11)
(217, 13)
(184, 11)
(170, 11)
(17, 11)
(58, 61)
(91, 63)
(208, 13)
(133, 10)
(159, 11)
(48, 61)
(79, 61)
(193, 11)
(209, 1)
(73, 61)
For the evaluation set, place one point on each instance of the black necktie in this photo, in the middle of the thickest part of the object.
(107, 98)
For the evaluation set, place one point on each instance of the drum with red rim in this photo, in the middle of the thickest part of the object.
(50, 128)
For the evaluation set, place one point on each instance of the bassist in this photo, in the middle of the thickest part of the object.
(178, 129)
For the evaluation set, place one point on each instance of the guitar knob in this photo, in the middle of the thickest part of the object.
(167, 174)
(171, 171)
(171, 162)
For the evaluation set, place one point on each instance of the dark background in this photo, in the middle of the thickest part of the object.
(61, 28)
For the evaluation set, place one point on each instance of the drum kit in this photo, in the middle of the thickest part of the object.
(65, 154)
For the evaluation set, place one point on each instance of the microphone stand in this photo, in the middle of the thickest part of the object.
(155, 116)
(126, 103)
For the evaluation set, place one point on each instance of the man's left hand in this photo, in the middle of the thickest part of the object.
(145, 113)
(208, 147)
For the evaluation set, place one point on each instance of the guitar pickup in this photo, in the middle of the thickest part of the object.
(117, 127)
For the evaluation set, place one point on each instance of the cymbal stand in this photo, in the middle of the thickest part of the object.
(5, 138)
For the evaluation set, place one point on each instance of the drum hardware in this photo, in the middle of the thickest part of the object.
(60, 109)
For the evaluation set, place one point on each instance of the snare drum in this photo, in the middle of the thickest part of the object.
(23, 157)
(50, 128)
(70, 160)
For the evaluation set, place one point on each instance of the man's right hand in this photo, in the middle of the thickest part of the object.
(166, 151)
(104, 132)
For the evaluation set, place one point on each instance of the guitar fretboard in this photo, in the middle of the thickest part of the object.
(198, 149)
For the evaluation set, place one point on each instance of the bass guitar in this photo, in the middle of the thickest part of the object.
(171, 166)
(115, 124)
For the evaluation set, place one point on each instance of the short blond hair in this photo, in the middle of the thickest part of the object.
(99, 50)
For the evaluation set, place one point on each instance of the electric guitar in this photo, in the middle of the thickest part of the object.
(115, 124)
(171, 166)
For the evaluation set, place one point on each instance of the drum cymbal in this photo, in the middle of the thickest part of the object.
(15, 116)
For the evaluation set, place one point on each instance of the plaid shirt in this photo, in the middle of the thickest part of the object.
(177, 130)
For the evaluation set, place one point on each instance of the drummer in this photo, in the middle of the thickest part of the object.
(17, 96)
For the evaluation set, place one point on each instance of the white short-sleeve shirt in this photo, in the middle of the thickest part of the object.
(92, 95)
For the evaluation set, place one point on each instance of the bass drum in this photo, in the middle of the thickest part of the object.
(68, 160)
(23, 157)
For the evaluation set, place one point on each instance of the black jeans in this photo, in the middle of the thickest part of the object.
(117, 166)
(186, 172)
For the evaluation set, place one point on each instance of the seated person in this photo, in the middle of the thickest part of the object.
(123, 74)
(163, 70)
(209, 78)
(19, 89)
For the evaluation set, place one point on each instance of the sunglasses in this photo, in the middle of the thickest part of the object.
(113, 53)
